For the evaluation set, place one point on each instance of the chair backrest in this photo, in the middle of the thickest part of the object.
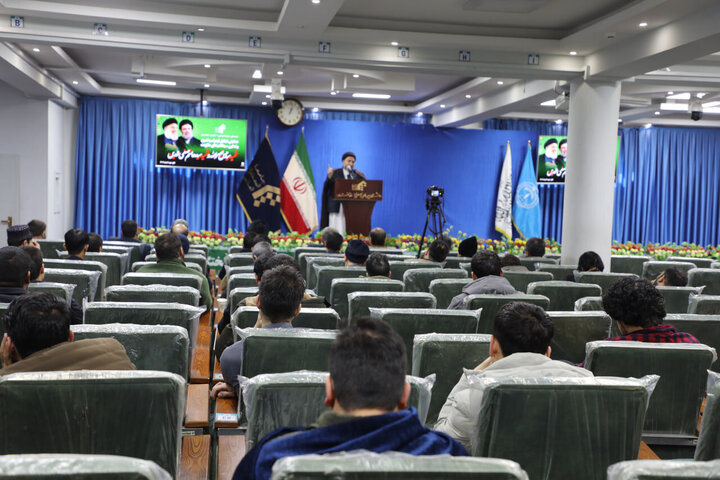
(562, 294)
(409, 322)
(560, 428)
(133, 413)
(204, 249)
(559, 272)
(677, 299)
(241, 280)
(628, 263)
(117, 264)
(520, 280)
(586, 304)
(85, 265)
(491, 303)
(399, 267)
(653, 268)
(418, 279)
(572, 330)
(50, 248)
(705, 328)
(704, 304)
(309, 318)
(708, 447)
(400, 466)
(675, 403)
(341, 287)
(79, 466)
(153, 294)
(445, 355)
(174, 279)
(707, 277)
(62, 290)
(698, 262)
(197, 259)
(327, 273)
(315, 248)
(454, 262)
(85, 281)
(3, 311)
(138, 265)
(532, 262)
(239, 259)
(664, 470)
(604, 279)
(134, 249)
(444, 289)
(235, 270)
(304, 257)
(238, 295)
(360, 303)
(314, 264)
(149, 347)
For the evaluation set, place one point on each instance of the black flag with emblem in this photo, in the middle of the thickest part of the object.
(259, 191)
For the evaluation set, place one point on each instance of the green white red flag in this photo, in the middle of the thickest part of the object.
(298, 198)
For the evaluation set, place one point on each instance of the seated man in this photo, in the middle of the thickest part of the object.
(38, 339)
(38, 229)
(332, 240)
(19, 235)
(96, 243)
(377, 237)
(519, 347)
(377, 265)
(14, 273)
(638, 309)
(671, 277)
(437, 251)
(37, 274)
(535, 247)
(129, 230)
(487, 278)
(356, 253)
(588, 262)
(468, 247)
(180, 226)
(279, 296)
(77, 242)
(511, 263)
(368, 395)
(170, 260)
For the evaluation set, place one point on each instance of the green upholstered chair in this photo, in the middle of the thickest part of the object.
(628, 263)
(236, 249)
(664, 470)
(520, 280)
(198, 260)
(707, 277)
(677, 299)
(302, 259)
(85, 281)
(153, 294)
(51, 248)
(560, 428)
(454, 262)
(674, 408)
(198, 247)
(554, 256)
(586, 304)
(395, 465)
(312, 318)
(132, 413)
(563, 295)
(316, 248)
(3, 311)
(445, 355)
(604, 279)
(341, 287)
(62, 290)
(242, 280)
(85, 265)
(573, 330)
(704, 304)
(239, 259)
(117, 264)
(133, 249)
(559, 272)
(60, 466)
(315, 263)
(409, 322)
(418, 279)
(174, 279)
(326, 275)
(444, 289)
(360, 302)
(654, 268)
(532, 262)
(149, 347)
(708, 447)
(137, 265)
(398, 267)
(491, 303)
(467, 266)
(698, 262)
(237, 295)
(235, 270)
(705, 328)
(715, 264)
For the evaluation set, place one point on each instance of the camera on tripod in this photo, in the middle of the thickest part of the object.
(435, 217)
(434, 194)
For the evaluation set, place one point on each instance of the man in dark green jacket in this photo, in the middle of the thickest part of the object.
(170, 260)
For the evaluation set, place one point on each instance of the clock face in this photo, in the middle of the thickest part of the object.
(291, 113)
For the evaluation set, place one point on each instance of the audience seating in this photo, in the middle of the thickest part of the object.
(85, 281)
(532, 262)
(62, 290)
(586, 304)
(229, 271)
(664, 470)
(326, 274)
(604, 279)
(315, 263)
(418, 279)
(153, 294)
(3, 311)
(454, 262)
(137, 265)
(708, 277)
(399, 267)
(628, 263)
(302, 259)
(84, 265)
(241, 280)
(491, 303)
(132, 413)
(133, 249)
(673, 410)
(559, 272)
(237, 249)
(654, 268)
(467, 266)
(698, 262)
(573, 330)
(314, 318)
(341, 287)
(677, 299)
(409, 322)
(197, 259)
(238, 295)
(560, 428)
(51, 248)
(117, 264)
(79, 466)
(445, 355)
(360, 302)
(704, 304)
(705, 328)
(708, 447)
(317, 248)
(198, 247)
(520, 280)
(239, 259)
(174, 279)
(563, 295)
(444, 289)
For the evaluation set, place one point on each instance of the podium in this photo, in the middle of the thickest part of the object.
(358, 198)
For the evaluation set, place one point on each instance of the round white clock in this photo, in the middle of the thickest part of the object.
(291, 112)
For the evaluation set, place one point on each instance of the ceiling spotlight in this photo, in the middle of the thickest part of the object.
(667, 69)
(648, 125)
(267, 96)
(36, 49)
(442, 105)
(264, 103)
(573, 52)
(394, 44)
(558, 121)
(355, 75)
(207, 85)
(201, 29)
(75, 82)
(204, 102)
(619, 120)
(316, 2)
(468, 96)
(657, 113)
(315, 109)
(642, 24)
(207, 65)
(333, 92)
(420, 114)
(280, 72)
(500, 82)
(257, 74)
(671, 93)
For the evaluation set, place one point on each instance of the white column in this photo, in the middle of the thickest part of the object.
(589, 179)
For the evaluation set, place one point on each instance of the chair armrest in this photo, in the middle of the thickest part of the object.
(195, 458)
(230, 450)
(197, 405)
(200, 367)
(226, 412)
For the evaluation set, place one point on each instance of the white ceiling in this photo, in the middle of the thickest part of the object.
(144, 40)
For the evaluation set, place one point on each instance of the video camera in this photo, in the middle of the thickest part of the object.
(434, 194)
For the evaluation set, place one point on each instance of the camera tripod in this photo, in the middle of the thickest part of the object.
(435, 218)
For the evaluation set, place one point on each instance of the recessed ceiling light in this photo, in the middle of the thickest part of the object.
(204, 102)
(280, 72)
(207, 85)
(420, 114)
(333, 93)
(155, 82)
(657, 113)
(667, 69)
(500, 82)
(315, 109)
(619, 120)
(548, 103)
(264, 103)
(355, 75)
(267, 96)
(558, 121)
(642, 24)
(468, 96)
(75, 82)
(257, 74)
(442, 105)
(573, 52)
(394, 44)
(648, 125)
(316, 2)
(700, 95)
(207, 65)
(36, 49)
(379, 96)
(671, 93)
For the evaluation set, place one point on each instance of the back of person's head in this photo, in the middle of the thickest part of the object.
(261, 248)
(37, 228)
(367, 366)
(18, 235)
(168, 246)
(280, 293)
(184, 243)
(332, 239)
(180, 226)
(675, 277)
(36, 321)
(357, 251)
(128, 228)
(522, 327)
(485, 263)
(259, 226)
(75, 240)
(96, 242)
(438, 250)
(14, 267)
(377, 265)
(260, 264)
(590, 262)
(535, 247)
(36, 260)
(377, 237)
(468, 247)
(249, 240)
(635, 302)
(281, 259)
(509, 260)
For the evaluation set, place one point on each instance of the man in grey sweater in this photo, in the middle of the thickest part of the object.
(487, 278)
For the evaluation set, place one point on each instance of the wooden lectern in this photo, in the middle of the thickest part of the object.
(358, 198)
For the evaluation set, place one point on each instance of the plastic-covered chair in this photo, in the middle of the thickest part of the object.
(133, 249)
(132, 413)
(59, 466)
(532, 262)
(174, 279)
(559, 272)
(85, 281)
(204, 249)
(628, 263)
(707, 277)
(61, 290)
(50, 248)
(341, 287)
(117, 264)
(491, 303)
(587, 304)
(654, 268)
(84, 265)
(573, 330)
(705, 328)
(327, 273)
(704, 304)
(315, 263)
(520, 280)
(698, 262)
(446, 355)
(560, 428)
(708, 447)
(138, 265)
(149, 347)
(238, 295)
(303, 257)
(235, 270)
(242, 280)
(418, 279)
(604, 279)
(677, 299)
(563, 295)
(454, 262)
(664, 470)
(399, 267)
(444, 289)
(239, 259)
(198, 259)
(153, 294)
(3, 311)
(359, 303)
(314, 318)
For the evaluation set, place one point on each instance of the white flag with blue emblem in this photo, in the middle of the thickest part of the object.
(503, 206)
(526, 208)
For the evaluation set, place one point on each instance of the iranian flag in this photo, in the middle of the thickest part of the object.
(297, 192)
